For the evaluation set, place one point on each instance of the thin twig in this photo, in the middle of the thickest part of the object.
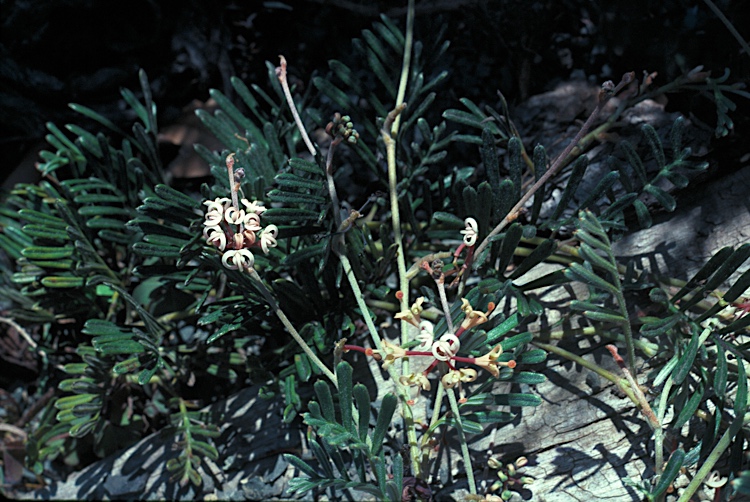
(292, 331)
(607, 91)
(645, 407)
(729, 25)
(462, 440)
(281, 74)
(20, 330)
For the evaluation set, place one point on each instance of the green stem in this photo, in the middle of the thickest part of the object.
(281, 74)
(713, 457)
(390, 146)
(411, 433)
(659, 436)
(625, 325)
(406, 63)
(292, 331)
(462, 439)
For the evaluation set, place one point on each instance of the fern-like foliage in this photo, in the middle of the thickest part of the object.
(348, 455)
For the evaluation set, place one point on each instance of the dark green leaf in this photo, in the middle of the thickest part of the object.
(64, 281)
(362, 398)
(670, 472)
(689, 408)
(227, 328)
(47, 253)
(686, 360)
(514, 341)
(517, 400)
(344, 377)
(385, 414)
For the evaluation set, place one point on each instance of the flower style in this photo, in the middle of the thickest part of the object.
(471, 232)
(490, 362)
(412, 315)
(238, 259)
(219, 204)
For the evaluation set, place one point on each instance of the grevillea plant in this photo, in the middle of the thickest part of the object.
(139, 300)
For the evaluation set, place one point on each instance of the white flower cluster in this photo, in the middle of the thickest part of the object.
(233, 231)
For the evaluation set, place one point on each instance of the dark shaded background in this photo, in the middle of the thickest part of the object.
(53, 52)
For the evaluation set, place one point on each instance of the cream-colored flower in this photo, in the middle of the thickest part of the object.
(390, 353)
(446, 347)
(251, 222)
(451, 379)
(218, 204)
(238, 259)
(471, 232)
(474, 317)
(213, 218)
(456, 377)
(234, 216)
(253, 207)
(418, 379)
(268, 238)
(490, 362)
(215, 236)
(412, 315)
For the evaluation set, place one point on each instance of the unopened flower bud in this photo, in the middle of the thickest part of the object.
(521, 461)
(494, 463)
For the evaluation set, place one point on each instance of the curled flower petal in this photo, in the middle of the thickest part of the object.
(215, 236)
(250, 237)
(426, 335)
(451, 379)
(238, 259)
(467, 374)
(446, 347)
(213, 218)
(474, 317)
(251, 222)
(254, 206)
(218, 204)
(471, 232)
(234, 216)
(268, 238)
